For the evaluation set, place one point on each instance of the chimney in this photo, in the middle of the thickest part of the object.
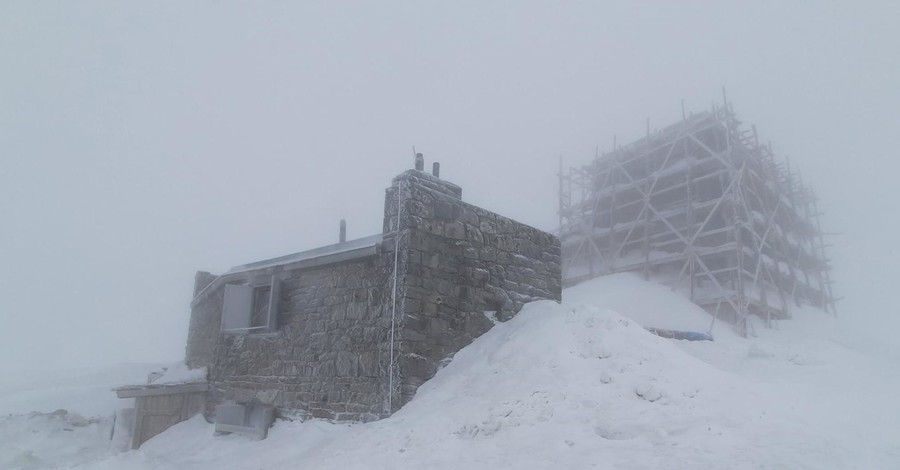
(436, 169)
(343, 236)
(420, 162)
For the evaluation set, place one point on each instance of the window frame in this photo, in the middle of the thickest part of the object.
(238, 307)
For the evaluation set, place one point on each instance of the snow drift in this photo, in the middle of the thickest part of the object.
(582, 384)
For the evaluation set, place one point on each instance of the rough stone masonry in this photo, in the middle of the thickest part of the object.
(352, 338)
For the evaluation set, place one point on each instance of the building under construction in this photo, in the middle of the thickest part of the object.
(702, 206)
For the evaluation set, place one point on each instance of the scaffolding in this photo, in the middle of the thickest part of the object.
(702, 206)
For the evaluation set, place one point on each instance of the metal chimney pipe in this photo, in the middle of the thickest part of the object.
(343, 236)
(420, 162)
(436, 169)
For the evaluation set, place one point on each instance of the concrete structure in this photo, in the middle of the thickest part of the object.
(703, 206)
(350, 331)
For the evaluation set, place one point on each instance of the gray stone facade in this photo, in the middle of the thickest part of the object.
(355, 338)
(329, 355)
(458, 261)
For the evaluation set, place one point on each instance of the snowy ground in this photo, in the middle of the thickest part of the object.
(577, 385)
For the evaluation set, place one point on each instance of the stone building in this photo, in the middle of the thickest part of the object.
(349, 331)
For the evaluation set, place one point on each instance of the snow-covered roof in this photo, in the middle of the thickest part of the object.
(336, 253)
(347, 248)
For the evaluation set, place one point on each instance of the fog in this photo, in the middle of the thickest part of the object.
(142, 142)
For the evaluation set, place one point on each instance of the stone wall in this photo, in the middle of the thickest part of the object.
(329, 357)
(458, 261)
(205, 317)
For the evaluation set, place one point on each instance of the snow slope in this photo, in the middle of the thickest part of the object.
(583, 385)
(60, 418)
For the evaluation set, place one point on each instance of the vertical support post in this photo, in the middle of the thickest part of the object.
(739, 276)
(342, 237)
(590, 194)
(611, 240)
(690, 220)
(647, 190)
(808, 240)
(789, 179)
(560, 196)
(824, 275)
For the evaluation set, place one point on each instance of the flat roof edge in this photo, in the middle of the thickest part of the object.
(331, 254)
(132, 391)
(335, 248)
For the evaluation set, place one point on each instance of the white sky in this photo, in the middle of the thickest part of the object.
(141, 142)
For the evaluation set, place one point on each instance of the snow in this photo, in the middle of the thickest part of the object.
(320, 252)
(51, 440)
(623, 261)
(86, 390)
(574, 385)
(179, 374)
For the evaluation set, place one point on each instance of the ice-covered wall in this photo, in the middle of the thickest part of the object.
(330, 355)
(458, 261)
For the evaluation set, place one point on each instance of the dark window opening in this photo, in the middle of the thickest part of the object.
(259, 316)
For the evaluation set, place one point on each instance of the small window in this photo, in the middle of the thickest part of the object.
(259, 318)
(250, 309)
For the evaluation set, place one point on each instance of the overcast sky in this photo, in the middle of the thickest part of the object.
(143, 141)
